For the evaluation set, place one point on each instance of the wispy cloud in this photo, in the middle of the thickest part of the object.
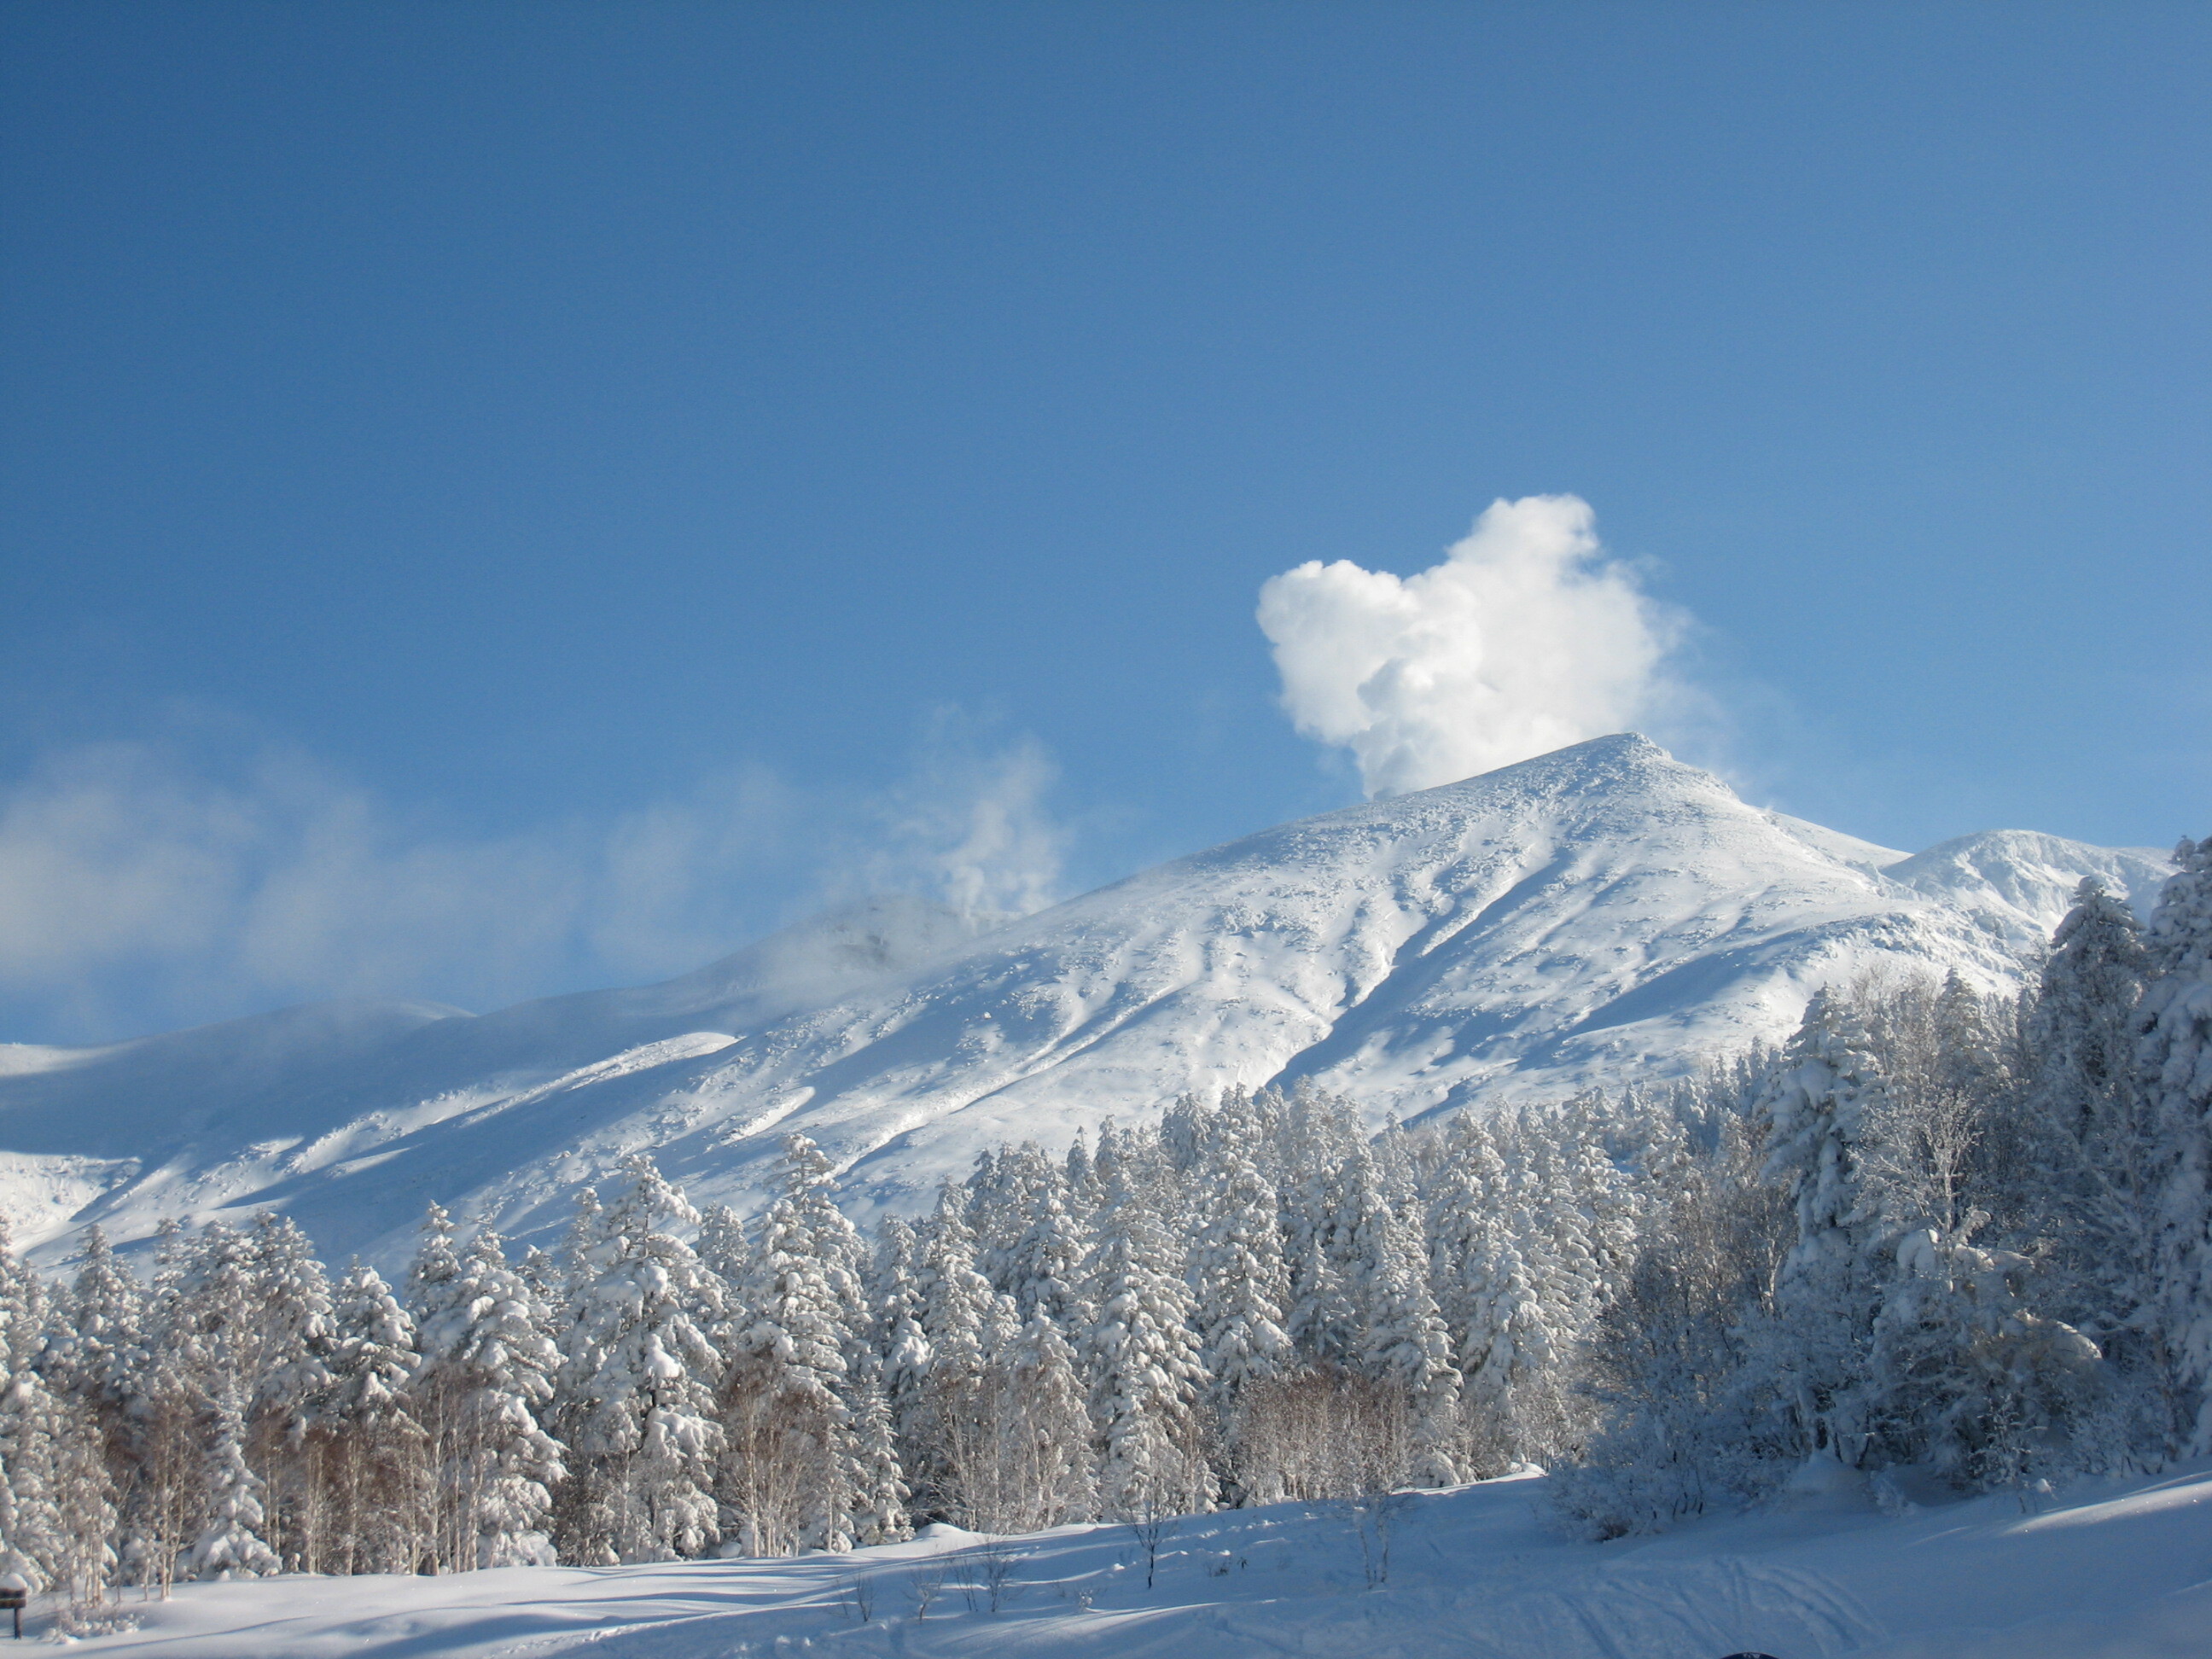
(161, 881)
(970, 823)
(1525, 638)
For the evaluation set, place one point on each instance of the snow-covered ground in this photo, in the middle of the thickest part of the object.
(2119, 1571)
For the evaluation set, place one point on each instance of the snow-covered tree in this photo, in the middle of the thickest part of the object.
(100, 1341)
(894, 1323)
(1146, 1379)
(802, 1470)
(483, 1375)
(1041, 1423)
(230, 1544)
(365, 1442)
(1240, 1281)
(2083, 1172)
(1817, 1109)
(1041, 1268)
(28, 1513)
(2174, 1055)
(1403, 1340)
(1688, 1425)
(1967, 1378)
(638, 1376)
(1319, 1138)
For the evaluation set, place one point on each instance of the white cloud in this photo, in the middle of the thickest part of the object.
(150, 884)
(1524, 639)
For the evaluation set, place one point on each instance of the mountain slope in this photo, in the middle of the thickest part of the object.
(1592, 916)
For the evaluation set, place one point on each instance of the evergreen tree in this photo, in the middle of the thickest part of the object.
(639, 1374)
(483, 1377)
(1403, 1342)
(804, 1469)
(102, 1342)
(2084, 1164)
(894, 1298)
(28, 1518)
(1145, 1376)
(230, 1545)
(1240, 1282)
(367, 1442)
(1816, 1108)
(164, 1410)
(2174, 1055)
(950, 1431)
(1043, 1430)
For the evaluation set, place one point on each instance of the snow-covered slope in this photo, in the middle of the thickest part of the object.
(2115, 1572)
(1599, 914)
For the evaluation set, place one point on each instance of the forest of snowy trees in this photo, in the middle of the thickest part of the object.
(1938, 1239)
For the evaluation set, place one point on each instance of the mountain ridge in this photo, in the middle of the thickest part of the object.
(1601, 915)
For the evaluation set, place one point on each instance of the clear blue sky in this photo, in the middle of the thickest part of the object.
(494, 424)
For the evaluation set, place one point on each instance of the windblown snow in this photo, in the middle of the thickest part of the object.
(1597, 916)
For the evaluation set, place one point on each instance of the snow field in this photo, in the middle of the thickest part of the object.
(2112, 1571)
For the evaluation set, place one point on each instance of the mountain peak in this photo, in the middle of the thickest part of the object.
(1598, 915)
(1595, 758)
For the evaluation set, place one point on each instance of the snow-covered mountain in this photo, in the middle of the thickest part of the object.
(1596, 915)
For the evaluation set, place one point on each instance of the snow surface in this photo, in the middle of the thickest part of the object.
(2121, 1571)
(1599, 916)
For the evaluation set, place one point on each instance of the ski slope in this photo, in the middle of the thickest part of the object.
(1595, 916)
(2121, 1571)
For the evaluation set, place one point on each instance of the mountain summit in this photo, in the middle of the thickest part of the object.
(1598, 915)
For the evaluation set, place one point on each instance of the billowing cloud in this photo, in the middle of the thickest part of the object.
(152, 884)
(1524, 639)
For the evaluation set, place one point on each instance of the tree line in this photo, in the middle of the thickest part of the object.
(1939, 1241)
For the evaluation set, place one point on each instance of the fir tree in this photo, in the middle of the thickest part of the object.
(481, 1379)
(230, 1545)
(1145, 1376)
(640, 1375)
(366, 1441)
(1816, 1108)
(2174, 1057)
(803, 1472)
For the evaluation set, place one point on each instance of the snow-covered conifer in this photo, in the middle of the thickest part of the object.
(1146, 1378)
(2083, 1176)
(894, 1295)
(1240, 1282)
(230, 1544)
(101, 1340)
(1041, 1430)
(2174, 1055)
(956, 1308)
(1817, 1107)
(1403, 1339)
(1320, 1135)
(28, 1513)
(1966, 1378)
(483, 1377)
(801, 1472)
(640, 1375)
(365, 1442)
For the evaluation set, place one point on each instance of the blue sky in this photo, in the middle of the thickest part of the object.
(501, 498)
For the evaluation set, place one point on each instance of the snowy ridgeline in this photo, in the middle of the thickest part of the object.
(1941, 1243)
(2116, 1571)
(1594, 918)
